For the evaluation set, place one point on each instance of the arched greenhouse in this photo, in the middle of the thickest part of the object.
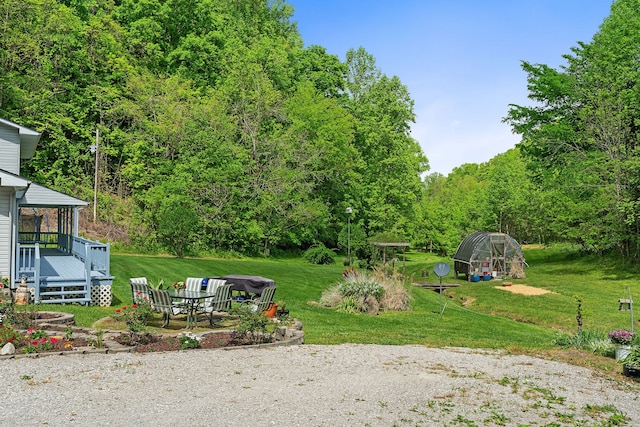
(484, 255)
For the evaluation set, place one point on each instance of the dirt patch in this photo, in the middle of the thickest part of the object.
(524, 290)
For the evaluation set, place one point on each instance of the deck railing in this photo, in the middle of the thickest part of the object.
(29, 264)
(46, 239)
(95, 255)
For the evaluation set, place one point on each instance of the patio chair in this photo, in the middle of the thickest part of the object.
(195, 283)
(264, 301)
(139, 289)
(219, 303)
(213, 284)
(162, 304)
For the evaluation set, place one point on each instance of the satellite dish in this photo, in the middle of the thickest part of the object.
(441, 269)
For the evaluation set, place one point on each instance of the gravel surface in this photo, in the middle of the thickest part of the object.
(311, 385)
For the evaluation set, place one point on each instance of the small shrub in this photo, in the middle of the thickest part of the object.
(320, 254)
(19, 319)
(8, 334)
(189, 340)
(252, 325)
(135, 316)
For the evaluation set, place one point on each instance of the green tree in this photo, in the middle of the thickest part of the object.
(581, 141)
(393, 161)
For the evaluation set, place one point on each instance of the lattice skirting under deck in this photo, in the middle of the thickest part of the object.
(101, 295)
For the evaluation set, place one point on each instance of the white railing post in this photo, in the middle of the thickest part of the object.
(36, 273)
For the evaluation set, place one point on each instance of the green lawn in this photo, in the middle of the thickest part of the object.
(492, 318)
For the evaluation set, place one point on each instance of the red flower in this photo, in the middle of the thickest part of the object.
(139, 293)
(54, 340)
(124, 308)
(134, 306)
(117, 310)
(34, 342)
(30, 330)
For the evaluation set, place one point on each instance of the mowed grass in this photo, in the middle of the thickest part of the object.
(475, 315)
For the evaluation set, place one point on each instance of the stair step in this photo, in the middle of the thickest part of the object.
(46, 280)
(79, 292)
(66, 301)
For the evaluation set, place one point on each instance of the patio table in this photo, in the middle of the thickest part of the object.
(248, 284)
(191, 299)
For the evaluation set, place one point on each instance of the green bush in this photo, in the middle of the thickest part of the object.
(252, 325)
(189, 340)
(320, 254)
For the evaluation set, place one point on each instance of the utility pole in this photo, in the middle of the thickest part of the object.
(95, 149)
(349, 211)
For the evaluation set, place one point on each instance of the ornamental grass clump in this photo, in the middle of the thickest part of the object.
(367, 292)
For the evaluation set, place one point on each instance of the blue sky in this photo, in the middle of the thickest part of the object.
(460, 59)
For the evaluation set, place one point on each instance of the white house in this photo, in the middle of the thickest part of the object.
(59, 266)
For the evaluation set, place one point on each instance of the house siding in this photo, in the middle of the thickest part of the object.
(5, 231)
(9, 149)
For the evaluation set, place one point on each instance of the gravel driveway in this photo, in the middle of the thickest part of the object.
(311, 385)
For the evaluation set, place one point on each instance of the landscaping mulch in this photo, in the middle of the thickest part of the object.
(148, 342)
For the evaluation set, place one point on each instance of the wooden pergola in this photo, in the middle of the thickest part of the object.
(384, 246)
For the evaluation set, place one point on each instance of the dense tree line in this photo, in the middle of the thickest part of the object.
(219, 130)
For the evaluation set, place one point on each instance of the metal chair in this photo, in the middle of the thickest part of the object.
(139, 289)
(162, 304)
(195, 283)
(264, 301)
(213, 284)
(219, 303)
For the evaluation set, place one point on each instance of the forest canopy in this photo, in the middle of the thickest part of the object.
(220, 131)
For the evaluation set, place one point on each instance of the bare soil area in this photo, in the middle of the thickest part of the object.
(147, 342)
(524, 290)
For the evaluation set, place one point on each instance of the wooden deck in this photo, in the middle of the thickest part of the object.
(63, 277)
(56, 264)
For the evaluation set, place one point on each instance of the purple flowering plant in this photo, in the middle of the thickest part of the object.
(621, 336)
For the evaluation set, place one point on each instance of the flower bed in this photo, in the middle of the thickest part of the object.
(37, 341)
(146, 343)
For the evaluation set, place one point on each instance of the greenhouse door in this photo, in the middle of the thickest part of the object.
(498, 254)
